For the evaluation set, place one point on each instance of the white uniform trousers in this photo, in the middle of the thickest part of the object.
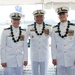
(74, 70)
(61, 70)
(39, 67)
(13, 71)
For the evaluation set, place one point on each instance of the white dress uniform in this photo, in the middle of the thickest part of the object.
(39, 45)
(13, 53)
(63, 49)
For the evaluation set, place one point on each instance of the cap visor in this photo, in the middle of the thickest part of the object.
(61, 13)
(16, 18)
(39, 15)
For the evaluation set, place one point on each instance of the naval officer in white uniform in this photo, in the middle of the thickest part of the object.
(13, 54)
(39, 33)
(63, 44)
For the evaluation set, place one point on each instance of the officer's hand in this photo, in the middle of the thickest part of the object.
(4, 64)
(54, 62)
(25, 63)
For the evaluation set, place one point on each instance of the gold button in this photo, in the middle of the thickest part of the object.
(39, 47)
(64, 38)
(49, 44)
(64, 45)
(39, 42)
(64, 51)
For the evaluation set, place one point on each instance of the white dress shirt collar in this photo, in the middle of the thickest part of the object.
(15, 28)
(64, 23)
(39, 24)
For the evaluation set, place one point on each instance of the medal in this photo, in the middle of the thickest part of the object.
(22, 38)
(32, 29)
(46, 31)
(70, 32)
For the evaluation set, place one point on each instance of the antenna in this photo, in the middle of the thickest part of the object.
(42, 1)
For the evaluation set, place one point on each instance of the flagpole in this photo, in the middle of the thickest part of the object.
(42, 3)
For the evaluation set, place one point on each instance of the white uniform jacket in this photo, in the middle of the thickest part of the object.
(63, 49)
(39, 44)
(12, 53)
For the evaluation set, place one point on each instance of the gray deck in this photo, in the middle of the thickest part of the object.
(27, 71)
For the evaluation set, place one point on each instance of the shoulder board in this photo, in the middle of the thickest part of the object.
(30, 25)
(72, 24)
(6, 28)
(55, 26)
(48, 25)
(23, 29)
(69, 24)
